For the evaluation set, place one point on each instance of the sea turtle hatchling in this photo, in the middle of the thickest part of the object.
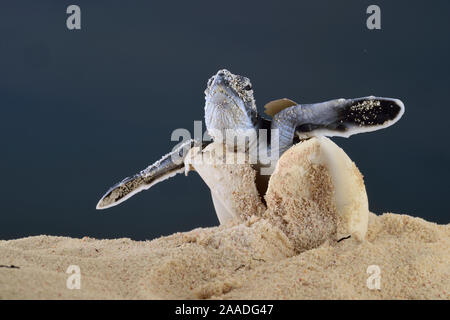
(230, 105)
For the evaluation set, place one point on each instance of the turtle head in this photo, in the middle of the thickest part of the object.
(229, 103)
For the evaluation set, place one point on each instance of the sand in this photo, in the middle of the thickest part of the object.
(253, 260)
(312, 237)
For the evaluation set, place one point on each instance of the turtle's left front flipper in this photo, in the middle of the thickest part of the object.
(340, 117)
(168, 166)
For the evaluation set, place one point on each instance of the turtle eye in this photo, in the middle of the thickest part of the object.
(248, 87)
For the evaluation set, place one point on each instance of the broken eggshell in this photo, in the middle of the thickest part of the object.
(233, 189)
(315, 194)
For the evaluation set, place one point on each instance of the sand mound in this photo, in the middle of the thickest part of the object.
(254, 260)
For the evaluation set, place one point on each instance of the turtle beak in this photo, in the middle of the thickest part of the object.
(219, 79)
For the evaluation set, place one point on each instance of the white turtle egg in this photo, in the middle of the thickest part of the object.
(315, 194)
(232, 185)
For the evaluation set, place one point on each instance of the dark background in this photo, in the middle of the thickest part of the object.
(80, 110)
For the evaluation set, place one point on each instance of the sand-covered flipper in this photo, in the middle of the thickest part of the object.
(168, 166)
(340, 117)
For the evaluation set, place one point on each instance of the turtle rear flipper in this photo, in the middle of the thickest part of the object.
(340, 117)
(165, 168)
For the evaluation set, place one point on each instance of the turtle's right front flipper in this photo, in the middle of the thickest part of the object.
(168, 166)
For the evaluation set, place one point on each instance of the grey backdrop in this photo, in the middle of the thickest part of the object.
(80, 110)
